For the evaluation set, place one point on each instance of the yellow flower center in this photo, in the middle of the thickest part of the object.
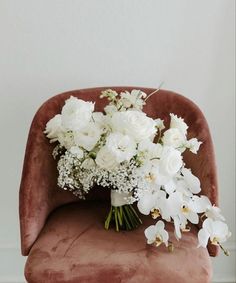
(155, 213)
(158, 241)
(150, 177)
(215, 241)
(185, 209)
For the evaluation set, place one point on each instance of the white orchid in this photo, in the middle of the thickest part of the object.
(146, 202)
(156, 234)
(149, 202)
(217, 231)
(191, 181)
(204, 205)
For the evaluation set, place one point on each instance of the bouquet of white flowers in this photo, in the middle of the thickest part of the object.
(130, 153)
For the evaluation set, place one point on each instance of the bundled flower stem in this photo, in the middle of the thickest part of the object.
(123, 218)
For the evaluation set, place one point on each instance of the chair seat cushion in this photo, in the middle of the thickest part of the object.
(74, 247)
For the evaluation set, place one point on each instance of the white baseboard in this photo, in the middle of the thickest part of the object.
(12, 265)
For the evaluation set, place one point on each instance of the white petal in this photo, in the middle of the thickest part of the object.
(146, 203)
(191, 180)
(177, 227)
(165, 237)
(203, 237)
(160, 225)
(200, 204)
(193, 217)
(150, 234)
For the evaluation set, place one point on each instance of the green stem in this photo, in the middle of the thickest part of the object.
(116, 220)
(135, 213)
(107, 222)
(119, 216)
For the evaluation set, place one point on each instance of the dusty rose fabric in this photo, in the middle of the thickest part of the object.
(39, 194)
(73, 247)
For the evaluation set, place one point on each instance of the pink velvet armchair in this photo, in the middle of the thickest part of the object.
(64, 238)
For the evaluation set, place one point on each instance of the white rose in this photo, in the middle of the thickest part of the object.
(105, 159)
(173, 137)
(122, 146)
(53, 128)
(135, 124)
(171, 161)
(193, 145)
(76, 113)
(88, 137)
(178, 123)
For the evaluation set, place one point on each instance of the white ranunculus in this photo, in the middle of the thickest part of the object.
(122, 146)
(156, 234)
(53, 128)
(76, 114)
(78, 152)
(105, 159)
(134, 123)
(171, 161)
(88, 137)
(173, 137)
(192, 181)
(193, 145)
(217, 231)
(178, 123)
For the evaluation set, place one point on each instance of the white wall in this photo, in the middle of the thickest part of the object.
(47, 47)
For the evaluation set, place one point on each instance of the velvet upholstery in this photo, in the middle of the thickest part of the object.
(40, 196)
(81, 251)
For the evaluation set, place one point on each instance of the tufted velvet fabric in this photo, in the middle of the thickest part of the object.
(40, 196)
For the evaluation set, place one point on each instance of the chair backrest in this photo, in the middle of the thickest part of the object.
(39, 194)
